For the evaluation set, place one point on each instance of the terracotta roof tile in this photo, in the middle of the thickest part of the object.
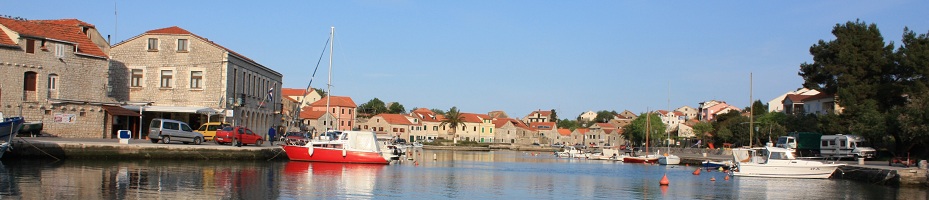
(606, 126)
(336, 101)
(307, 114)
(292, 92)
(68, 30)
(582, 130)
(396, 119)
(290, 99)
(472, 118)
(564, 132)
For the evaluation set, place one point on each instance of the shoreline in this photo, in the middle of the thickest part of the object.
(874, 172)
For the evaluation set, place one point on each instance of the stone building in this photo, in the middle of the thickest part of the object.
(55, 72)
(183, 76)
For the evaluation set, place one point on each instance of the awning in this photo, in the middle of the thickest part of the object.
(176, 109)
(120, 111)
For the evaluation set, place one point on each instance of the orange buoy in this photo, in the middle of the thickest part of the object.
(664, 180)
(416, 163)
(697, 172)
(713, 179)
(687, 164)
(726, 178)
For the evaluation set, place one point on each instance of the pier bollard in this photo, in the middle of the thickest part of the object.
(923, 164)
(860, 161)
(704, 155)
(433, 156)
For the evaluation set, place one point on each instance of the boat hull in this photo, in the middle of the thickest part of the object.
(322, 154)
(798, 171)
(651, 160)
(669, 160)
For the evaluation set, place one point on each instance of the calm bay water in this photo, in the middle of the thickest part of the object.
(453, 175)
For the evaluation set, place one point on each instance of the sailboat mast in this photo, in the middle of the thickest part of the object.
(751, 112)
(329, 81)
(668, 130)
(647, 129)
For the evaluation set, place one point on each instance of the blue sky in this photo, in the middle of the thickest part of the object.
(515, 56)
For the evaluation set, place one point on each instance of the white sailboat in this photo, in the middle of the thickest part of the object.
(668, 158)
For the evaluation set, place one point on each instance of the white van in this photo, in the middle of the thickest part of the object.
(167, 130)
(844, 146)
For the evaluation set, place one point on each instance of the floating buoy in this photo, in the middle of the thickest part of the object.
(664, 180)
(416, 163)
(726, 178)
(697, 172)
(433, 156)
(687, 164)
(713, 179)
(720, 168)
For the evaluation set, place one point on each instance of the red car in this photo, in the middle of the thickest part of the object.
(238, 136)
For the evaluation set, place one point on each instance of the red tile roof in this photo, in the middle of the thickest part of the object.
(564, 132)
(472, 118)
(796, 98)
(550, 125)
(543, 113)
(290, 99)
(500, 122)
(582, 131)
(395, 119)
(293, 92)
(307, 114)
(821, 95)
(68, 30)
(336, 101)
(606, 126)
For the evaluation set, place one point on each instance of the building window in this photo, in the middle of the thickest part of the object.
(30, 46)
(333, 110)
(343, 111)
(196, 77)
(52, 82)
(166, 76)
(136, 80)
(60, 50)
(182, 45)
(29, 81)
(152, 44)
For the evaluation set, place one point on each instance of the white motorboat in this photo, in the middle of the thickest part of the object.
(669, 159)
(571, 152)
(778, 162)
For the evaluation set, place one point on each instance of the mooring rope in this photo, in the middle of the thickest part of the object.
(33, 146)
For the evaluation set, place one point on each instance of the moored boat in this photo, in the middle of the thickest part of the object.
(651, 159)
(349, 147)
(669, 159)
(8, 129)
(778, 162)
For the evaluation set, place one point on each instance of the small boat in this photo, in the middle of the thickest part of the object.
(605, 154)
(571, 152)
(716, 164)
(778, 162)
(349, 147)
(652, 159)
(669, 159)
(9, 127)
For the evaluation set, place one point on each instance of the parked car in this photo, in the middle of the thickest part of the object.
(209, 129)
(295, 138)
(237, 136)
(167, 131)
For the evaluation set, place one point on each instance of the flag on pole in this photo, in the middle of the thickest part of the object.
(270, 98)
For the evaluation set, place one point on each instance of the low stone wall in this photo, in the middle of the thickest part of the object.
(51, 150)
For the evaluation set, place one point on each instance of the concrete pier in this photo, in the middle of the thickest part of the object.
(68, 148)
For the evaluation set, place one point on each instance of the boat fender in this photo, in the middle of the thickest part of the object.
(344, 153)
(310, 151)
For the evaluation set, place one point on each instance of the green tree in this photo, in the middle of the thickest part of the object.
(567, 124)
(701, 129)
(322, 93)
(553, 116)
(396, 108)
(453, 119)
(373, 107)
(604, 116)
(724, 134)
(636, 130)
(760, 108)
(438, 111)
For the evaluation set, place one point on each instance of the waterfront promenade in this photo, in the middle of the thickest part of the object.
(875, 172)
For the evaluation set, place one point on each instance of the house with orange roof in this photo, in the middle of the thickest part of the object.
(57, 72)
(688, 112)
(538, 116)
(431, 123)
(819, 104)
(307, 97)
(579, 136)
(564, 137)
(777, 104)
(190, 78)
(671, 119)
(393, 125)
(498, 114)
(343, 108)
(708, 110)
(476, 127)
(315, 122)
(622, 119)
(588, 116)
(290, 114)
(546, 132)
(512, 131)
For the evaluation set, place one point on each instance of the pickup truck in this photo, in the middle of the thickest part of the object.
(238, 136)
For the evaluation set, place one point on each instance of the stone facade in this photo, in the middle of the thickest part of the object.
(181, 69)
(59, 83)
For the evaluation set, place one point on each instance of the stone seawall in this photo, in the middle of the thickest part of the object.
(29, 148)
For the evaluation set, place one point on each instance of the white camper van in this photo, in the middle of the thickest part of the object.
(844, 146)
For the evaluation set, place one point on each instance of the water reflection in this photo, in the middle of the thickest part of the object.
(456, 175)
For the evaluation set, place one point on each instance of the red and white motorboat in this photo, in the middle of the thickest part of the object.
(346, 147)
